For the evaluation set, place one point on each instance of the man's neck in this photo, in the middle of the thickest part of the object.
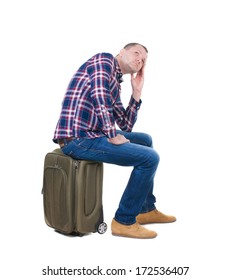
(120, 64)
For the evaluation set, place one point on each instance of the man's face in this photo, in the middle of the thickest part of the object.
(133, 58)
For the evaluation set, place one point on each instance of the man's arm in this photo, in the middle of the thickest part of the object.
(137, 83)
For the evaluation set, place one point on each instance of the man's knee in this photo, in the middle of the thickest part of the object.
(148, 140)
(145, 139)
(153, 158)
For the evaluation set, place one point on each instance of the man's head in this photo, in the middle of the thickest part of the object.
(132, 58)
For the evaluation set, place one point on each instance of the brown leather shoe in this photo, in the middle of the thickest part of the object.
(154, 216)
(134, 230)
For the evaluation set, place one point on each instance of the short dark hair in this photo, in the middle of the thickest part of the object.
(134, 44)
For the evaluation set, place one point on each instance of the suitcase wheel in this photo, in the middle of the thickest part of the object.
(102, 228)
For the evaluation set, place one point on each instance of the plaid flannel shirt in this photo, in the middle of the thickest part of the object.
(92, 104)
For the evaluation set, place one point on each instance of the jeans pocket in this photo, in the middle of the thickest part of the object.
(74, 147)
(66, 149)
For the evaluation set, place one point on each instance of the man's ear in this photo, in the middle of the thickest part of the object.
(122, 52)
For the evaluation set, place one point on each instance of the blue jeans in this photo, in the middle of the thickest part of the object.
(138, 195)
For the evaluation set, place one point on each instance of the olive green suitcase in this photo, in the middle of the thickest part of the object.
(72, 194)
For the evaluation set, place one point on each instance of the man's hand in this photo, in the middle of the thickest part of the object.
(137, 83)
(118, 140)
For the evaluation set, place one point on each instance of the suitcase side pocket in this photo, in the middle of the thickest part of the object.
(54, 198)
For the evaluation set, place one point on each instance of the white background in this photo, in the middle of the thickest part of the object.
(185, 108)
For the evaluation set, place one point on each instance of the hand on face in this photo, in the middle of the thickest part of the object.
(132, 61)
(137, 82)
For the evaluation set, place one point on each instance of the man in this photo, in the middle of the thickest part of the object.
(86, 130)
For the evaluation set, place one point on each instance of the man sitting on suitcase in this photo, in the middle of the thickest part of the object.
(87, 130)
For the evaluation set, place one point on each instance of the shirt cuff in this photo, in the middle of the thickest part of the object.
(134, 103)
(111, 133)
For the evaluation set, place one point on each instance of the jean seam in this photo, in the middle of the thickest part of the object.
(149, 210)
(79, 145)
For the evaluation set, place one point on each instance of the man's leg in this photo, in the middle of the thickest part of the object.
(148, 213)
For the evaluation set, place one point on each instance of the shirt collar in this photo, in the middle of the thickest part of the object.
(118, 73)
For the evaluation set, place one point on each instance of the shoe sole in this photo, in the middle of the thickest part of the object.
(149, 223)
(135, 237)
